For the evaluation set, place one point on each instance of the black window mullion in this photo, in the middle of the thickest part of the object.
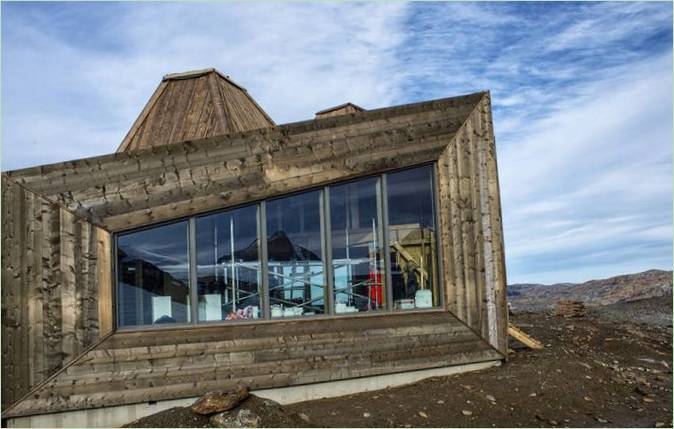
(193, 283)
(327, 251)
(117, 322)
(385, 242)
(264, 264)
(436, 225)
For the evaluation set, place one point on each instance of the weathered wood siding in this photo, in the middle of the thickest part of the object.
(136, 188)
(471, 229)
(57, 289)
(136, 367)
(49, 288)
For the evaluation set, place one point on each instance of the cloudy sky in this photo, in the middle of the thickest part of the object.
(582, 97)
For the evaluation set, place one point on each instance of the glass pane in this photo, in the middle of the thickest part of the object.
(153, 276)
(228, 265)
(413, 249)
(357, 261)
(296, 275)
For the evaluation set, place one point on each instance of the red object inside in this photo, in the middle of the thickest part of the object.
(376, 289)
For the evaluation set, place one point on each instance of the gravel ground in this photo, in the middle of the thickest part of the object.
(654, 311)
(592, 373)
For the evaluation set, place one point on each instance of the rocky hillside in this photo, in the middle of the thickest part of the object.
(625, 288)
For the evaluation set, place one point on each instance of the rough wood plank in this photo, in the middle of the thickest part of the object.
(487, 236)
(444, 240)
(478, 237)
(466, 213)
(500, 283)
(12, 222)
(69, 305)
(35, 292)
(523, 338)
(456, 231)
(105, 281)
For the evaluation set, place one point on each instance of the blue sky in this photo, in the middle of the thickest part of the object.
(582, 97)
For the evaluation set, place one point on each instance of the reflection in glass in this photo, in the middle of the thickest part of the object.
(228, 265)
(412, 242)
(357, 262)
(153, 276)
(296, 275)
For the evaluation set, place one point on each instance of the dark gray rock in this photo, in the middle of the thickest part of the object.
(239, 418)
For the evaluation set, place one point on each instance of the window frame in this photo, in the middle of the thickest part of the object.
(326, 247)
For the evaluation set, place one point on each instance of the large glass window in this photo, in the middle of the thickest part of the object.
(412, 238)
(296, 272)
(228, 265)
(153, 276)
(360, 246)
(357, 263)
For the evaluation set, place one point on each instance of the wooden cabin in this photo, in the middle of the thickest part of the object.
(216, 247)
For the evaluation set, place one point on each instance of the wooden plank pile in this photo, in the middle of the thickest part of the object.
(570, 308)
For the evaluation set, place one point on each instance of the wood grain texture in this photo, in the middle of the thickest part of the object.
(174, 363)
(48, 291)
(192, 107)
(105, 308)
(472, 234)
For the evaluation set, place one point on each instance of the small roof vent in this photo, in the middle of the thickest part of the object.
(342, 109)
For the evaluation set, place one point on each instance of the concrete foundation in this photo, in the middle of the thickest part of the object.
(120, 415)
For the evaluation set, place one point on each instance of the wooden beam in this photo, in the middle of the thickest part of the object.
(523, 338)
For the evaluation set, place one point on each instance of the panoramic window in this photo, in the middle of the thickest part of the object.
(365, 245)
(228, 265)
(412, 240)
(355, 236)
(153, 276)
(295, 259)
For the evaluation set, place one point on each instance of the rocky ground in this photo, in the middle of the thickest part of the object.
(652, 311)
(595, 371)
(592, 373)
(594, 293)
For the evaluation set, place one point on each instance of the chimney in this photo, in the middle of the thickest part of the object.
(342, 109)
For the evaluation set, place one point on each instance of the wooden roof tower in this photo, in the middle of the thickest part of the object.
(194, 105)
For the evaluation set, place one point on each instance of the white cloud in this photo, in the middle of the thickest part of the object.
(603, 162)
(295, 60)
(581, 92)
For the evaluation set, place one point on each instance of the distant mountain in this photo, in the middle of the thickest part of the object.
(625, 288)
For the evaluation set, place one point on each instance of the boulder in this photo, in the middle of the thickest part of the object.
(240, 418)
(221, 400)
(259, 412)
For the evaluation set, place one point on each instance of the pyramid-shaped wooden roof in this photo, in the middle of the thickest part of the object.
(194, 105)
